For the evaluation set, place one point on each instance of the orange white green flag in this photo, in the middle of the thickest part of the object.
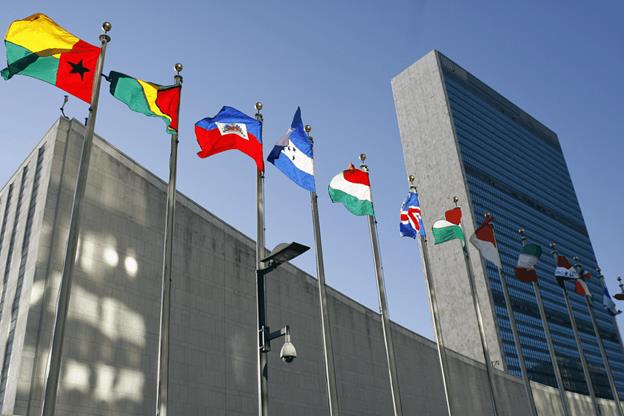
(38, 47)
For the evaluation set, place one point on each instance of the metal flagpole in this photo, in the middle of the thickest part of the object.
(328, 351)
(162, 397)
(515, 333)
(603, 352)
(383, 309)
(577, 338)
(551, 348)
(477, 308)
(56, 352)
(433, 304)
(263, 381)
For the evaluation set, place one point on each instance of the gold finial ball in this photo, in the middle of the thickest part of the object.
(107, 26)
(455, 199)
(259, 106)
(411, 178)
(178, 67)
(598, 270)
(487, 214)
(553, 245)
(362, 157)
(575, 258)
(521, 231)
(307, 128)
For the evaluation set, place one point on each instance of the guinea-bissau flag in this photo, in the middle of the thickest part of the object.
(37, 47)
(148, 98)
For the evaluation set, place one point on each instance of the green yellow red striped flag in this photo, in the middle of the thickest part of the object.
(148, 98)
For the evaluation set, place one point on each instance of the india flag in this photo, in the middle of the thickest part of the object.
(351, 188)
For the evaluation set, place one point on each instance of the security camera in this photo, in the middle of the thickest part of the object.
(288, 352)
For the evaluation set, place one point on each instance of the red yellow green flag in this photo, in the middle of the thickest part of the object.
(38, 47)
(147, 98)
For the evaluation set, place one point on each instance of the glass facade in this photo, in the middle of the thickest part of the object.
(517, 172)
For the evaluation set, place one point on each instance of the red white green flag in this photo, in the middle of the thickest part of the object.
(483, 239)
(529, 257)
(351, 188)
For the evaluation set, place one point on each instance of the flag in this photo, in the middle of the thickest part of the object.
(38, 47)
(228, 130)
(525, 268)
(145, 97)
(483, 239)
(351, 188)
(449, 228)
(293, 155)
(411, 221)
(564, 270)
(580, 287)
(609, 304)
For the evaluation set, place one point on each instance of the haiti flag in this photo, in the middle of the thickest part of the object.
(230, 129)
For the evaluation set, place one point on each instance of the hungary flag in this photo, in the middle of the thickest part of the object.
(145, 97)
(351, 188)
(37, 47)
(449, 228)
(483, 239)
(529, 256)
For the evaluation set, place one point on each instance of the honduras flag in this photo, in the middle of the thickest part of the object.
(292, 155)
(411, 220)
(609, 304)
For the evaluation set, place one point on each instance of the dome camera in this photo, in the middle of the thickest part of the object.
(288, 352)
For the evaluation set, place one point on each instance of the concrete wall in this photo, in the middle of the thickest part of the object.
(110, 355)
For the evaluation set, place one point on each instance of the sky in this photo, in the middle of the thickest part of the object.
(559, 61)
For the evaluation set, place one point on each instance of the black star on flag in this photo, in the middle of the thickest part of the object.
(78, 68)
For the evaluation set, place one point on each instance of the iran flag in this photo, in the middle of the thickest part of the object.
(483, 239)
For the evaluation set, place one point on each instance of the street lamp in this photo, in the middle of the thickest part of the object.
(280, 254)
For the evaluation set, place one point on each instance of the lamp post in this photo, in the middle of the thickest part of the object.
(280, 254)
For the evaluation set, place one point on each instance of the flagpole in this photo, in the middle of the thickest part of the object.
(515, 333)
(549, 342)
(603, 352)
(330, 371)
(433, 304)
(162, 377)
(477, 308)
(263, 381)
(577, 338)
(54, 365)
(383, 308)
(613, 319)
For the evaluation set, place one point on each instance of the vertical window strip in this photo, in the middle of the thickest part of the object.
(7, 268)
(20, 279)
(7, 206)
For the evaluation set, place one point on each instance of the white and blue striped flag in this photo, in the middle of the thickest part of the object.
(293, 155)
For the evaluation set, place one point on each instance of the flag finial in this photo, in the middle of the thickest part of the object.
(259, 115)
(553, 247)
(106, 27)
(455, 200)
(178, 67)
(362, 159)
(523, 238)
(308, 128)
(411, 179)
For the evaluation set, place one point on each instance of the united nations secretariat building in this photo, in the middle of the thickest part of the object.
(111, 344)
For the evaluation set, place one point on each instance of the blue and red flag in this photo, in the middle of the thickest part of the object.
(230, 130)
(411, 221)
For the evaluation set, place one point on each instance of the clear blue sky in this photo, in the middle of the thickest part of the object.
(560, 61)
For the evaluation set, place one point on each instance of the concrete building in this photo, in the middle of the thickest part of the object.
(460, 137)
(111, 344)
